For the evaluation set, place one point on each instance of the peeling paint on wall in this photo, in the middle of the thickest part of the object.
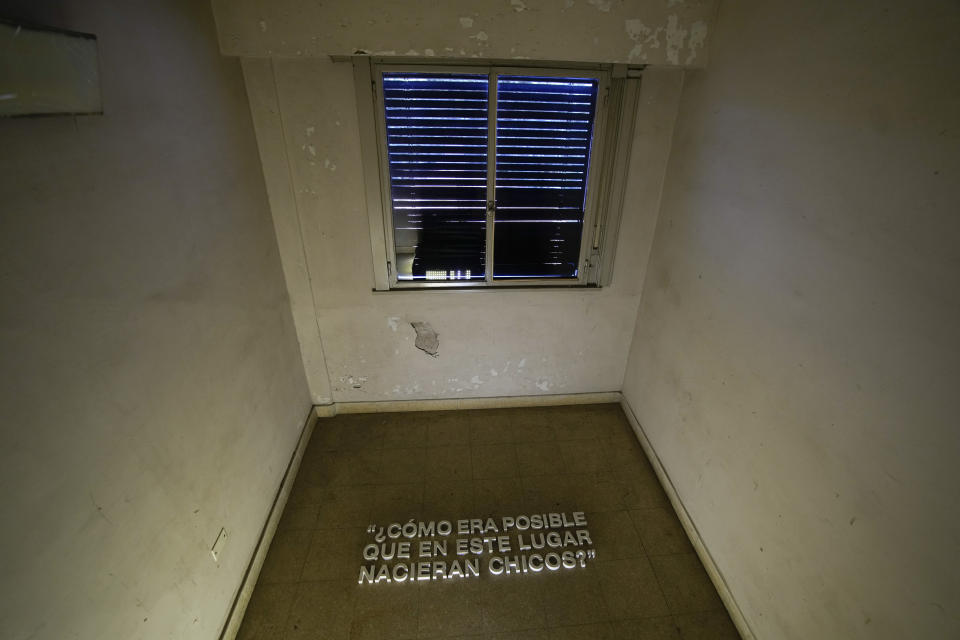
(602, 5)
(675, 38)
(355, 382)
(645, 38)
(427, 339)
(698, 36)
(585, 32)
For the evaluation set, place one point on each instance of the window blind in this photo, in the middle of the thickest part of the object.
(544, 133)
(437, 151)
(436, 129)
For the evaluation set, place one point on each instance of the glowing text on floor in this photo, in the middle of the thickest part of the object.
(417, 551)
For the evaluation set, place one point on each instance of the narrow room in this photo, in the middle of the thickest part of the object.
(490, 319)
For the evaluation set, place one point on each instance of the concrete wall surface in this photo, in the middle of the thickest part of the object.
(662, 32)
(492, 342)
(151, 382)
(795, 361)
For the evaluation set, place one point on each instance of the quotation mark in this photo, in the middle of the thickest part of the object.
(372, 528)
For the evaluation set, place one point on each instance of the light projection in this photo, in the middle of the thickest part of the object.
(415, 551)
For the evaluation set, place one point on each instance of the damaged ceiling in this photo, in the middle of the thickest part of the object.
(657, 32)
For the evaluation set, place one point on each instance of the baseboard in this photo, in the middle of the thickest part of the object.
(688, 525)
(232, 626)
(451, 404)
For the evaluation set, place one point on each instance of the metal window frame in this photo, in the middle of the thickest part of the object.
(607, 156)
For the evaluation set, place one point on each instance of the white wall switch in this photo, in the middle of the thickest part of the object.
(218, 545)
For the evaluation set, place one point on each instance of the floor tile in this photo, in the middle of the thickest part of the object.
(449, 608)
(640, 489)
(410, 431)
(538, 458)
(512, 603)
(388, 613)
(342, 468)
(267, 612)
(448, 500)
(533, 424)
(625, 452)
(710, 625)
(397, 503)
(494, 461)
(326, 436)
(527, 634)
(345, 506)
(573, 423)
(660, 531)
(445, 428)
(298, 517)
(334, 555)
(403, 464)
(573, 597)
(549, 493)
(284, 561)
(490, 426)
(613, 535)
(685, 584)
(303, 494)
(321, 611)
(448, 463)
(498, 497)
(662, 628)
(594, 492)
(360, 430)
(596, 631)
(630, 589)
(583, 456)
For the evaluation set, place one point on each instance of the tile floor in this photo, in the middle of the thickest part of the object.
(362, 469)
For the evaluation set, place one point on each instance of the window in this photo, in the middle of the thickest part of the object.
(486, 176)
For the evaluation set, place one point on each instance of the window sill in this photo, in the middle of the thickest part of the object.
(516, 287)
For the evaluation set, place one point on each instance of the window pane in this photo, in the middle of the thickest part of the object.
(437, 152)
(544, 131)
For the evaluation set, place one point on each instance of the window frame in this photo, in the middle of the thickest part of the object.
(600, 221)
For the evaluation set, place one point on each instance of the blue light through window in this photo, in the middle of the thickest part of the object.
(437, 145)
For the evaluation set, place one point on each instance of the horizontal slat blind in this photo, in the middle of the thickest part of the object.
(544, 133)
(436, 126)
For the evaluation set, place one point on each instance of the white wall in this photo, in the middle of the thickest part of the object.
(151, 383)
(662, 32)
(358, 345)
(492, 343)
(795, 362)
